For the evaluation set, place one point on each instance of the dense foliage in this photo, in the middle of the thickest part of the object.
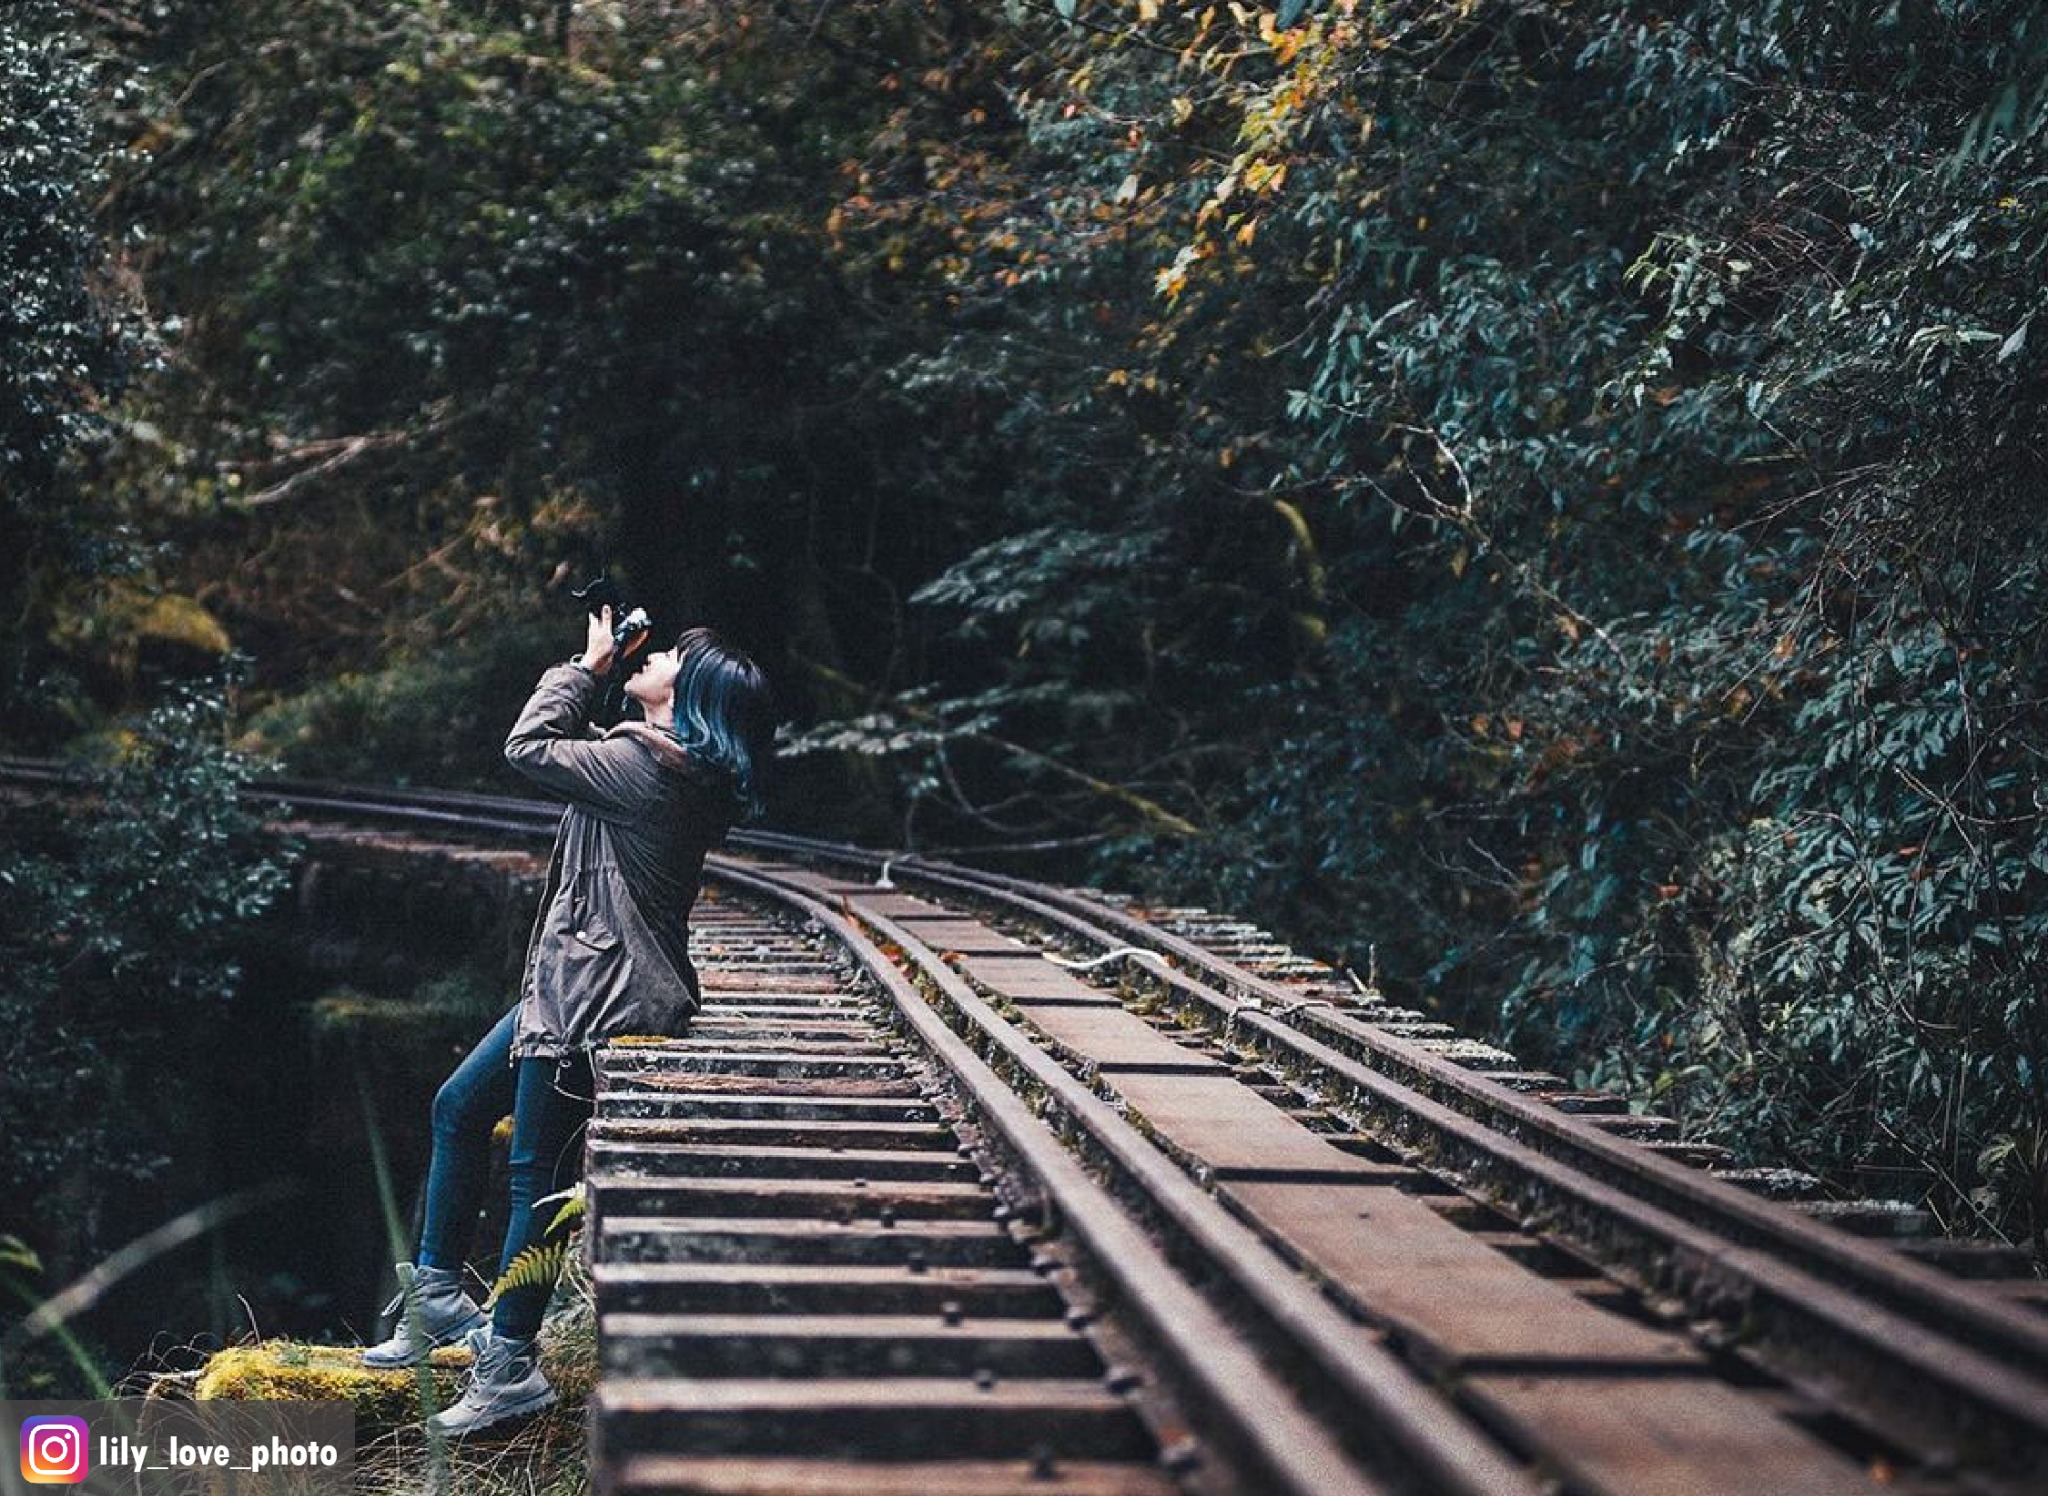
(1547, 491)
(122, 923)
(64, 338)
(1573, 494)
(119, 920)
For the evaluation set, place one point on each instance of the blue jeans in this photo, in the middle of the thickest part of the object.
(549, 1101)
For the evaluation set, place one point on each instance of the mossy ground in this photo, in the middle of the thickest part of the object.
(449, 1005)
(546, 1455)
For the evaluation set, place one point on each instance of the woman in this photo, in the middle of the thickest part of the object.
(609, 955)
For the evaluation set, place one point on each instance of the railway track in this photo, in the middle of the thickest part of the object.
(915, 1207)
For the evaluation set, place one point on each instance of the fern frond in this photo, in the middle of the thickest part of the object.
(537, 1266)
(574, 1202)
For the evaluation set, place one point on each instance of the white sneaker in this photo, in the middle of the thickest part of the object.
(506, 1383)
(434, 1310)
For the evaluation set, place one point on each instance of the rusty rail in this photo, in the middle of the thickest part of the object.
(1953, 1368)
(1405, 1437)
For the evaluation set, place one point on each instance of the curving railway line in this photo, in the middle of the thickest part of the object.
(962, 1184)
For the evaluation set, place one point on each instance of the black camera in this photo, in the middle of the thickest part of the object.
(631, 631)
(630, 625)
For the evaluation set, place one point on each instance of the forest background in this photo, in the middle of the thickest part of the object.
(1538, 499)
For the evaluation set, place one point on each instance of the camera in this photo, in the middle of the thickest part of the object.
(630, 624)
(631, 630)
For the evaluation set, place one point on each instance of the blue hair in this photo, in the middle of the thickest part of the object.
(725, 716)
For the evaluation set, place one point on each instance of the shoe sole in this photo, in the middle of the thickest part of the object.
(432, 1346)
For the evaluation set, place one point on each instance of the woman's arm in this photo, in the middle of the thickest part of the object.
(548, 744)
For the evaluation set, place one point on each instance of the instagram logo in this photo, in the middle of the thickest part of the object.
(53, 1451)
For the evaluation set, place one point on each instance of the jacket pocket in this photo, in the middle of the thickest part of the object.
(595, 971)
(594, 935)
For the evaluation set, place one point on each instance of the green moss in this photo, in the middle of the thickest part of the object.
(289, 1371)
(543, 1456)
(455, 1002)
(346, 1010)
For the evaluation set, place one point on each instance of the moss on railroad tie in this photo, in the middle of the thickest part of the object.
(292, 1371)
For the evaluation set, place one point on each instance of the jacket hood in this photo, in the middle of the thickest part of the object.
(666, 750)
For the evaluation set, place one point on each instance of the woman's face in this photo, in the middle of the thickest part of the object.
(654, 682)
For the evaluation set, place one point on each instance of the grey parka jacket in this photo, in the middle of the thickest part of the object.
(609, 953)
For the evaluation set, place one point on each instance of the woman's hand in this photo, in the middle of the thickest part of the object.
(598, 647)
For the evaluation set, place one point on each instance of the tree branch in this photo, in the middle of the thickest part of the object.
(1155, 814)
